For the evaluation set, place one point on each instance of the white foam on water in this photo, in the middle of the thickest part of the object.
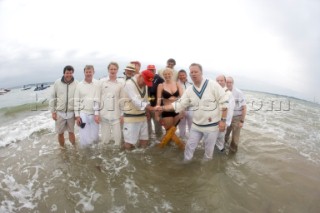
(22, 193)
(114, 166)
(38, 194)
(57, 173)
(74, 184)
(138, 150)
(45, 150)
(36, 174)
(134, 194)
(307, 156)
(87, 198)
(196, 207)
(26, 194)
(24, 128)
(7, 206)
(154, 189)
(131, 191)
(118, 209)
(54, 208)
(166, 205)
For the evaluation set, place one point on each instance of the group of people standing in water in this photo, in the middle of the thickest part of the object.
(129, 109)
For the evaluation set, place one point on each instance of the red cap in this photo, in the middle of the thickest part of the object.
(151, 67)
(147, 77)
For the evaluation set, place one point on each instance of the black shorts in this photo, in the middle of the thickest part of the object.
(169, 114)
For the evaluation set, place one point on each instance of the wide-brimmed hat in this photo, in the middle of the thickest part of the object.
(147, 77)
(130, 67)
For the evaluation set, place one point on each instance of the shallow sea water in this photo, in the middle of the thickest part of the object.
(276, 168)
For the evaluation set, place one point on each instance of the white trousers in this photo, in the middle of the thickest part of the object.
(209, 140)
(111, 129)
(90, 133)
(187, 120)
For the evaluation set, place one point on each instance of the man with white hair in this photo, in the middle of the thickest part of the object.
(221, 79)
(137, 66)
(239, 114)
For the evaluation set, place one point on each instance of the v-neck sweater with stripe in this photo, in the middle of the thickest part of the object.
(206, 102)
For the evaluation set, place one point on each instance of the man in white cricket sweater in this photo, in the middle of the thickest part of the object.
(62, 105)
(111, 92)
(86, 99)
(209, 102)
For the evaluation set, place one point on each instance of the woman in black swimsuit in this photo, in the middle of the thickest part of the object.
(168, 92)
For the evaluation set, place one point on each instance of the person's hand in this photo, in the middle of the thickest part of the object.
(182, 114)
(121, 120)
(78, 121)
(97, 119)
(54, 116)
(158, 108)
(149, 108)
(240, 124)
(222, 126)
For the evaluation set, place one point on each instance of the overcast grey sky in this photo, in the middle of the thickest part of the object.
(267, 45)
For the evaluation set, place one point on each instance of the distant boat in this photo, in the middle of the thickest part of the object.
(41, 87)
(26, 87)
(3, 91)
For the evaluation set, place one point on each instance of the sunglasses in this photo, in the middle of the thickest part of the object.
(82, 125)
